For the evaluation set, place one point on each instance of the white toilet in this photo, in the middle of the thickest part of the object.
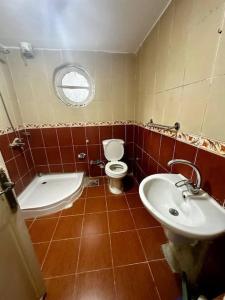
(115, 169)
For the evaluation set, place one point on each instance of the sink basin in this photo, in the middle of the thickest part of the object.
(196, 217)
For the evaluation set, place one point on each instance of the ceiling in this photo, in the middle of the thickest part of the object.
(93, 25)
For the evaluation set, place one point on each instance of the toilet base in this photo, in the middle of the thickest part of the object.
(115, 185)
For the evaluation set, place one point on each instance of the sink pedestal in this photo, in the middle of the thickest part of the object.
(184, 255)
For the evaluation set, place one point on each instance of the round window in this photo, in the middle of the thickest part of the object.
(73, 85)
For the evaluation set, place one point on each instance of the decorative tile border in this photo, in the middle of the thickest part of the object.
(214, 146)
(78, 124)
(9, 129)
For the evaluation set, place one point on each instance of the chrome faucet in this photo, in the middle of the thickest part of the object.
(192, 187)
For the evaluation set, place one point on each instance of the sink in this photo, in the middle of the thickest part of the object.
(196, 216)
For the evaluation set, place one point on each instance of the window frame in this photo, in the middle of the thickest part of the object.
(58, 75)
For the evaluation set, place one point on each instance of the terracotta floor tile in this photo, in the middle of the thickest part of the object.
(116, 202)
(152, 239)
(42, 230)
(126, 248)
(97, 204)
(120, 221)
(134, 200)
(143, 219)
(135, 283)
(95, 224)
(94, 253)
(167, 282)
(96, 191)
(61, 258)
(68, 227)
(97, 285)
(60, 288)
(76, 209)
(28, 223)
(40, 250)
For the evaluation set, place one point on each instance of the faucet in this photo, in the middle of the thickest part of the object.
(17, 142)
(192, 187)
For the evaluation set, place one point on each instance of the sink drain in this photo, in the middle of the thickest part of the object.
(173, 212)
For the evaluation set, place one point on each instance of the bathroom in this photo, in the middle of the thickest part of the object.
(112, 149)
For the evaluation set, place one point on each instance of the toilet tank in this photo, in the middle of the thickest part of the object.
(113, 149)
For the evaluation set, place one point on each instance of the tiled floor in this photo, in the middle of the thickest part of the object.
(104, 247)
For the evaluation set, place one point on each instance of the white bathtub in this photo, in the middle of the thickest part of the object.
(48, 194)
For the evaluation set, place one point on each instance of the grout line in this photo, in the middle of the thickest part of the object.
(107, 268)
(110, 243)
(151, 273)
(98, 234)
(44, 259)
(31, 223)
(79, 249)
(59, 276)
(43, 140)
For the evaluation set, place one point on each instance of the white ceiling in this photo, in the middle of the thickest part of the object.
(95, 25)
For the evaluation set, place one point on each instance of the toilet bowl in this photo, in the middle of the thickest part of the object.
(115, 169)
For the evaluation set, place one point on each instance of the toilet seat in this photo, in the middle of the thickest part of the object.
(116, 169)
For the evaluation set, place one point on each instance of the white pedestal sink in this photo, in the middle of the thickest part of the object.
(188, 220)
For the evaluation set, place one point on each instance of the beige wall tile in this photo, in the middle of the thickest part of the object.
(201, 47)
(172, 103)
(178, 44)
(163, 44)
(214, 120)
(193, 105)
(114, 76)
(9, 97)
(185, 56)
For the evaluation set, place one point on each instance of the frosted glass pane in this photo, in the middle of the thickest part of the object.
(74, 79)
(76, 95)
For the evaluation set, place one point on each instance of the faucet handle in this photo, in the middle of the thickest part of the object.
(183, 182)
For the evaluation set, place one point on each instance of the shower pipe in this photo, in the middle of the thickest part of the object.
(7, 114)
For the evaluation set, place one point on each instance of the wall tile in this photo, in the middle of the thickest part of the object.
(129, 133)
(64, 136)
(155, 145)
(92, 134)
(119, 132)
(42, 169)
(35, 139)
(105, 133)
(50, 137)
(166, 151)
(79, 136)
(93, 152)
(39, 156)
(212, 169)
(53, 155)
(184, 151)
(56, 168)
(67, 154)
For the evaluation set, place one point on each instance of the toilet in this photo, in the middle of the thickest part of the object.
(115, 169)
